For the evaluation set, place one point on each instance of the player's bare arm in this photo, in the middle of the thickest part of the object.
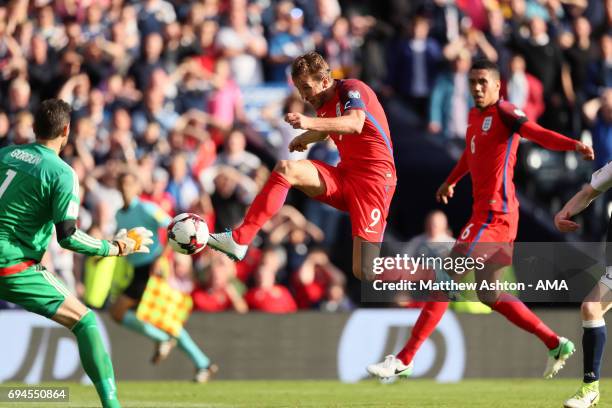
(300, 143)
(350, 123)
(574, 206)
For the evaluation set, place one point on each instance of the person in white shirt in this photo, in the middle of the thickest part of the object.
(599, 300)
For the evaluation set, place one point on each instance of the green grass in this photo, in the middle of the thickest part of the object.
(405, 393)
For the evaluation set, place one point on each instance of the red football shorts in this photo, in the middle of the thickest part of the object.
(490, 235)
(365, 199)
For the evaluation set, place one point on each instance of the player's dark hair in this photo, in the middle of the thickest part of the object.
(486, 64)
(51, 118)
(312, 65)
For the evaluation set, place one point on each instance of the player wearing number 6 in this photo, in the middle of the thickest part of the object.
(362, 184)
(38, 191)
(490, 155)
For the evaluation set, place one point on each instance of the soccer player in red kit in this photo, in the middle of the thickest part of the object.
(362, 184)
(490, 157)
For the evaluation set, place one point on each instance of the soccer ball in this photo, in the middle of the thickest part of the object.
(188, 233)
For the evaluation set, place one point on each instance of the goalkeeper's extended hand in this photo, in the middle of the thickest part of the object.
(136, 240)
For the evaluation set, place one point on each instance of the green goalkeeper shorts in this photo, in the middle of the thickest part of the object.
(35, 289)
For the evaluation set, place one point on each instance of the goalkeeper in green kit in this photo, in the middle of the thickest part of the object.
(37, 191)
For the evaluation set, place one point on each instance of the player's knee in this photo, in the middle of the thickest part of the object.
(487, 297)
(286, 168)
(591, 311)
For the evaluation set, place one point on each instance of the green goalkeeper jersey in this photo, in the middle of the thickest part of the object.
(37, 190)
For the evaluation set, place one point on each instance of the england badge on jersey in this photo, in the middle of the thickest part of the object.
(486, 123)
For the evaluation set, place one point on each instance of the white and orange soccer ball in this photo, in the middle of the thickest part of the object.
(188, 233)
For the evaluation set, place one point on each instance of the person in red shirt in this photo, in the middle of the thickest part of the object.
(362, 184)
(218, 294)
(267, 296)
(312, 280)
(492, 139)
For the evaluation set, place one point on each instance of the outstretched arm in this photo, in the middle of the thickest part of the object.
(125, 243)
(574, 206)
(601, 181)
(553, 140)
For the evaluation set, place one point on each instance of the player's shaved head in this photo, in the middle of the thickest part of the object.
(51, 119)
(312, 65)
(486, 65)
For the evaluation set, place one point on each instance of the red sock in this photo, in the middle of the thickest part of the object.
(430, 315)
(519, 314)
(267, 203)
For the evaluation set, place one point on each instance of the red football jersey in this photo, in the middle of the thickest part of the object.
(371, 151)
(490, 153)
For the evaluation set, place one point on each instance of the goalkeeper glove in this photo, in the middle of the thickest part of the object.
(136, 240)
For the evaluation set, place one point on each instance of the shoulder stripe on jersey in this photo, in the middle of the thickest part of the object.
(380, 130)
(484, 227)
(505, 181)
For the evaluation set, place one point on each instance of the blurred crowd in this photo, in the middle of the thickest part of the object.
(158, 87)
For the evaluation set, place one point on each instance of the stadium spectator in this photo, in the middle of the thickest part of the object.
(313, 280)
(451, 100)
(153, 15)
(225, 101)
(289, 40)
(412, 67)
(158, 194)
(338, 50)
(497, 35)
(243, 46)
(523, 89)
(182, 187)
(600, 71)
(267, 296)
(545, 61)
(41, 69)
(220, 291)
(231, 192)
(18, 100)
(436, 240)
(150, 59)
(234, 154)
(598, 113)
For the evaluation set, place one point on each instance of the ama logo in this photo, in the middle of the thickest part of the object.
(370, 335)
(38, 349)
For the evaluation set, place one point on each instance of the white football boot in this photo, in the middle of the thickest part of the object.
(558, 356)
(390, 367)
(224, 242)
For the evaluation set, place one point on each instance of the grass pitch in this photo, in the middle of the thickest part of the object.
(498, 393)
